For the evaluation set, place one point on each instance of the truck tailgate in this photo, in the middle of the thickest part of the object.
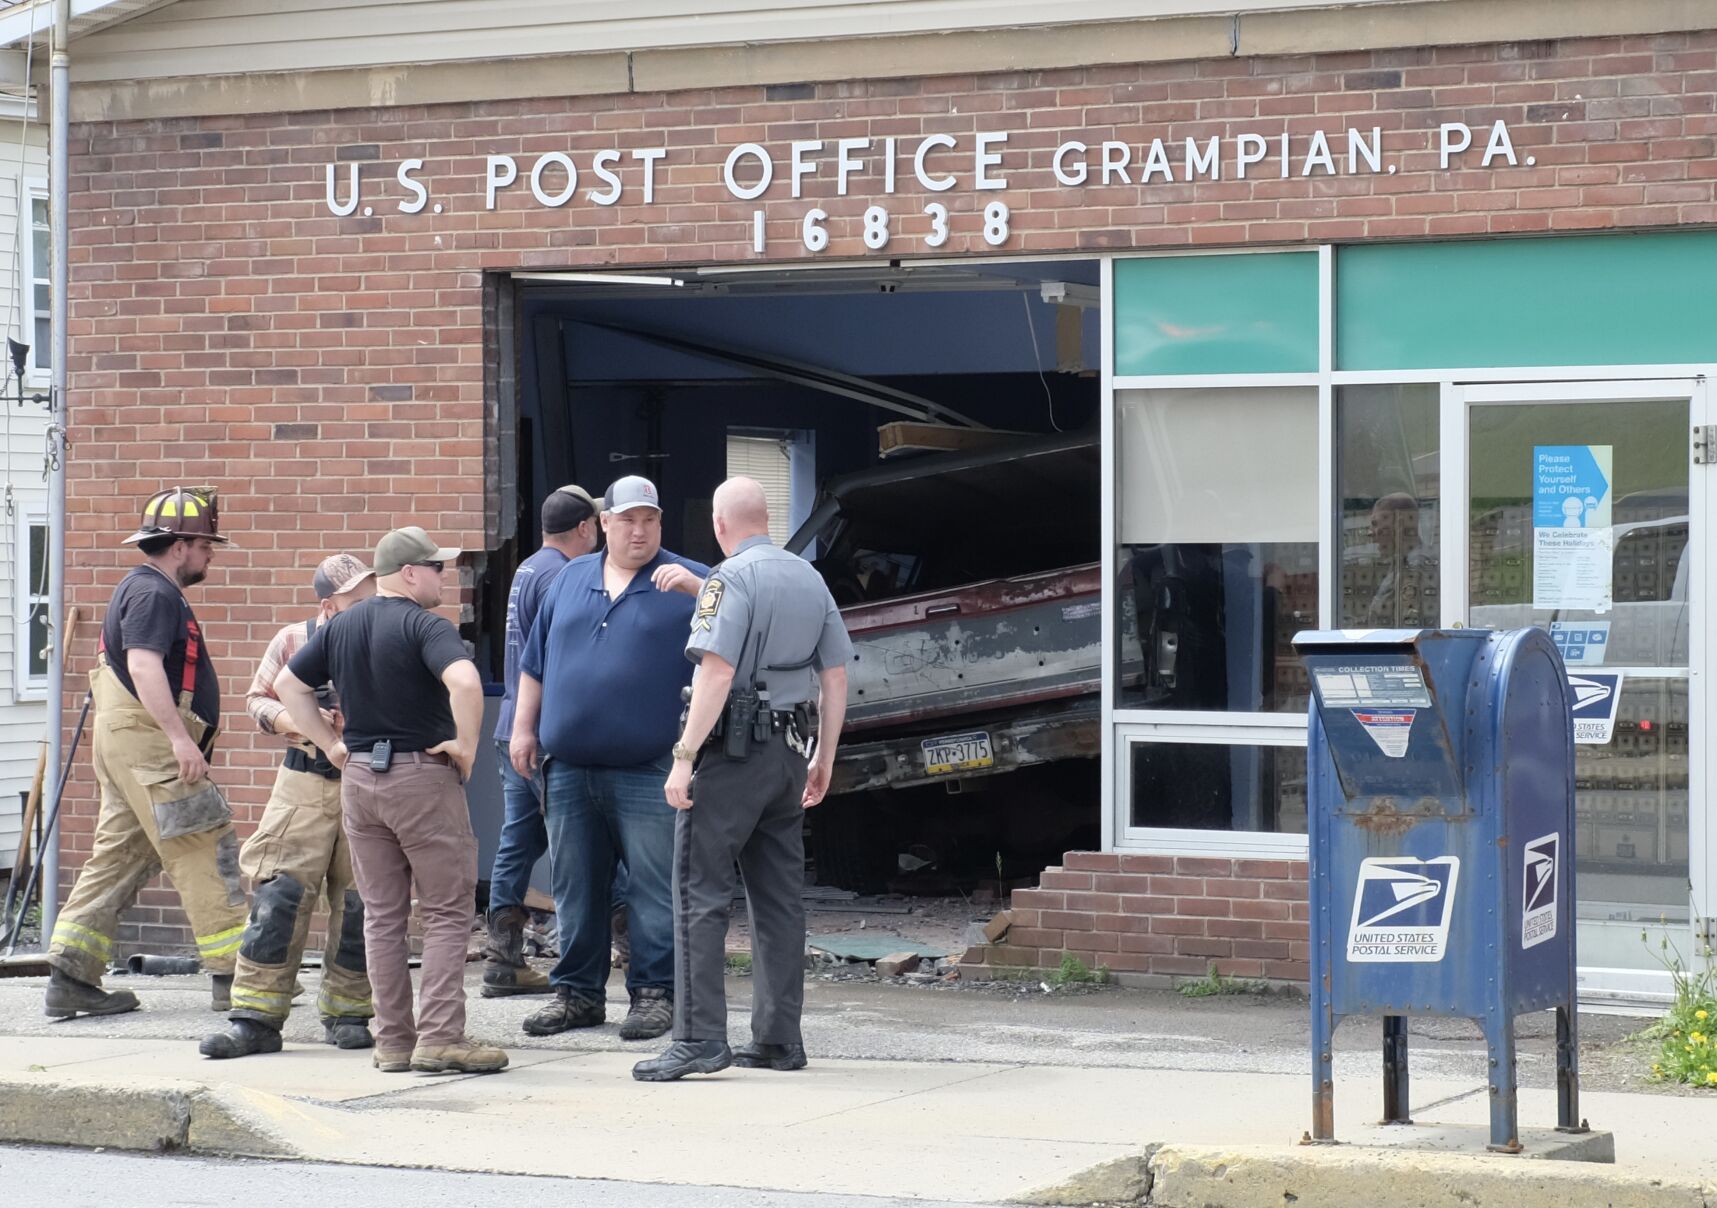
(984, 645)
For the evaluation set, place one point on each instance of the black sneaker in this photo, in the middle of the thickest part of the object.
(758, 1056)
(570, 1009)
(243, 1038)
(652, 1014)
(685, 1057)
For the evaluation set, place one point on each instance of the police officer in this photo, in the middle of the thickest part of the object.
(157, 705)
(412, 704)
(299, 849)
(766, 636)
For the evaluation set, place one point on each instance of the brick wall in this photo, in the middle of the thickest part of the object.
(328, 373)
(1155, 919)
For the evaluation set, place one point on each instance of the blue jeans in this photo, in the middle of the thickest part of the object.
(524, 839)
(595, 816)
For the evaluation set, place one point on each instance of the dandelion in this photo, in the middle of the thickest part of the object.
(1696, 1037)
(1711, 1078)
(1699, 1015)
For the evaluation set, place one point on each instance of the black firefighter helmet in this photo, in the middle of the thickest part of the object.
(181, 512)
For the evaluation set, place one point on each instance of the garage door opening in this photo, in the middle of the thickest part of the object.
(927, 436)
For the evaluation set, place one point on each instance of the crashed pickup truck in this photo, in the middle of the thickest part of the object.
(971, 587)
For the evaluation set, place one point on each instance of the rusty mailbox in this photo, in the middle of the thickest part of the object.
(1441, 786)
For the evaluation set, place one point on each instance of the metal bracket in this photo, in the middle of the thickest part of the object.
(1705, 930)
(1704, 444)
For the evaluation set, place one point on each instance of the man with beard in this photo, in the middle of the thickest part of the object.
(157, 705)
(599, 689)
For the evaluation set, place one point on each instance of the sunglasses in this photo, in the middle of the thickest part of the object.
(431, 565)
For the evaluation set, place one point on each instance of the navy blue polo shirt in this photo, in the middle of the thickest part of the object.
(611, 670)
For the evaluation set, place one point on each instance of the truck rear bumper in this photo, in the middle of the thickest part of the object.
(1064, 730)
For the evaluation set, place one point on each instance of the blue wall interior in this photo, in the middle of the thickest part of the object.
(628, 405)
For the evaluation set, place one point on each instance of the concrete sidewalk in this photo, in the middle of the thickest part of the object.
(948, 1129)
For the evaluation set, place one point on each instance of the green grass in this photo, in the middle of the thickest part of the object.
(1214, 983)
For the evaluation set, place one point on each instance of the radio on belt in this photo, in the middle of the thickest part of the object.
(1441, 790)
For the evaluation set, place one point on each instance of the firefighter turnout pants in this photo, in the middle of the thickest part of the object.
(298, 854)
(149, 820)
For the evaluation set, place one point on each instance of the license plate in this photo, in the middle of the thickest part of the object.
(957, 753)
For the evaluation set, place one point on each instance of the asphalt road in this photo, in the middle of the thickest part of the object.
(73, 1178)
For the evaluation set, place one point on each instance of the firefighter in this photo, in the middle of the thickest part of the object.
(298, 851)
(157, 704)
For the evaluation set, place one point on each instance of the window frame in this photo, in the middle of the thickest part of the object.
(26, 685)
(1123, 726)
(36, 375)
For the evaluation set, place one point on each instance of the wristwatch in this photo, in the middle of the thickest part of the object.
(682, 751)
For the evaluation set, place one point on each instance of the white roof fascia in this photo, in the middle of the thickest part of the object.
(21, 22)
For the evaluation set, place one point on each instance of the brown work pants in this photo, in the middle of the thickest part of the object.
(149, 819)
(299, 849)
(410, 829)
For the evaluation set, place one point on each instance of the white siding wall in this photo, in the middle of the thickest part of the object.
(208, 37)
(23, 431)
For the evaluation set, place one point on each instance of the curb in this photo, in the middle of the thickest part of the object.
(1184, 1176)
(160, 1116)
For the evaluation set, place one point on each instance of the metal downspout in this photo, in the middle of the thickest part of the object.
(59, 140)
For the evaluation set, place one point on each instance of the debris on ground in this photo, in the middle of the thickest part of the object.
(897, 963)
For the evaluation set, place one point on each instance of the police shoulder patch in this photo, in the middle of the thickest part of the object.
(709, 601)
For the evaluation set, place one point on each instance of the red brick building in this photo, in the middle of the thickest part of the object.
(1330, 257)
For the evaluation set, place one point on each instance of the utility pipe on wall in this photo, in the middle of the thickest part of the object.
(59, 141)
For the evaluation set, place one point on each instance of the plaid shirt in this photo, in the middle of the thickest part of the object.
(264, 706)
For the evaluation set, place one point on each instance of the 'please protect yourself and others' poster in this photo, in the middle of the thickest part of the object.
(1572, 539)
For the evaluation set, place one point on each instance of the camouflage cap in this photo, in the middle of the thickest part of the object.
(338, 573)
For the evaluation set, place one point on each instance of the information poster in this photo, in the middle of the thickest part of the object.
(1572, 542)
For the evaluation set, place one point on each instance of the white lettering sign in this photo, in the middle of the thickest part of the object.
(979, 162)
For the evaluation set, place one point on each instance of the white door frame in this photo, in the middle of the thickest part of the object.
(1457, 399)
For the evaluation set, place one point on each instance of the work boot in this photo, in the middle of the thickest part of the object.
(652, 1014)
(461, 1058)
(346, 1032)
(220, 991)
(569, 1010)
(621, 932)
(244, 1037)
(758, 1056)
(685, 1057)
(391, 1063)
(506, 972)
(68, 997)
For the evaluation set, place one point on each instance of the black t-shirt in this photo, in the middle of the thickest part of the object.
(385, 656)
(149, 612)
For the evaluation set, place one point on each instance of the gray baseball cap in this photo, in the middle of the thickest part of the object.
(406, 545)
(630, 492)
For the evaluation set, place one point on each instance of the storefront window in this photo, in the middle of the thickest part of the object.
(1216, 786)
(1217, 494)
(1386, 465)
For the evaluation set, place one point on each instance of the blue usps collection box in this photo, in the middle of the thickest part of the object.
(1441, 794)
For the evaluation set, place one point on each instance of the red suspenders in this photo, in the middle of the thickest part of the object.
(193, 648)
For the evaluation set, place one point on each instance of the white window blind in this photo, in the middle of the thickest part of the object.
(765, 458)
(1218, 466)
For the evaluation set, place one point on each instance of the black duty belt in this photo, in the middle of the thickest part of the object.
(779, 719)
(302, 761)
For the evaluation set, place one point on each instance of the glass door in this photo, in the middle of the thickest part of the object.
(1587, 517)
